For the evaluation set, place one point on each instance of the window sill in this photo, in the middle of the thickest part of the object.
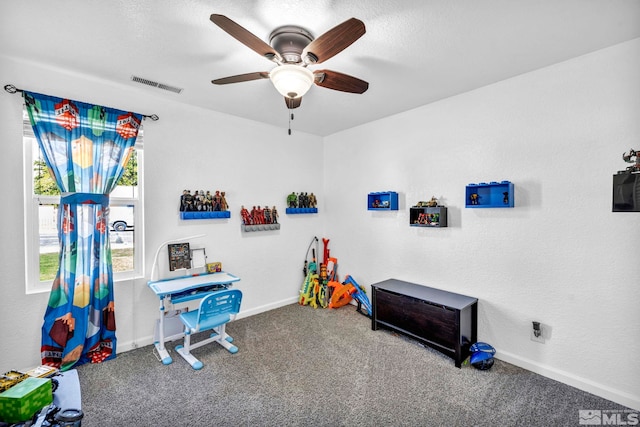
(45, 287)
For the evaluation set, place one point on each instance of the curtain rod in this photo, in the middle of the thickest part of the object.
(12, 89)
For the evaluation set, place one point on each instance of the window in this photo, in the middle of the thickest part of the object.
(42, 199)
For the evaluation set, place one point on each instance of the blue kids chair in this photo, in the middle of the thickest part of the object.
(215, 311)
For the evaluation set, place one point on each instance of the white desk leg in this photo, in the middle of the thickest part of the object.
(160, 348)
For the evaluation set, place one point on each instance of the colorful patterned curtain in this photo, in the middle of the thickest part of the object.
(86, 148)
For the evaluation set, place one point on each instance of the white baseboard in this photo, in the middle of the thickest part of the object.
(580, 383)
(267, 307)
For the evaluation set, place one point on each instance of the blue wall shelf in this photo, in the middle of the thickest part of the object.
(382, 201)
(301, 211)
(491, 195)
(205, 214)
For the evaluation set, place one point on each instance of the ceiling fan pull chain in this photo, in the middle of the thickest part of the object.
(290, 118)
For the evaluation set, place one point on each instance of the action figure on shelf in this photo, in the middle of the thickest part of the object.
(292, 200)
(505, 199)
(188, 199)
(199, 199)
(629, 159)
(274, 215)
(433, 202)
(183, 201)
(313, 202)
(208, 201)
(305, 200)
(267, 215)
(246, 216)
(216, 201)
(473, 198)
(224, 206)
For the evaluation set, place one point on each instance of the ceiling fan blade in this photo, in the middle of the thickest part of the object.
(292, 102)
(245, 37)
(241, 78)
(333, 41)
(339, 81)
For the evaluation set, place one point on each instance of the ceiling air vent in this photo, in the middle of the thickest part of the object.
(156, 84)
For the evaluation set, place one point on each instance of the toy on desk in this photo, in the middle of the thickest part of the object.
(214, 267)
(628, 157)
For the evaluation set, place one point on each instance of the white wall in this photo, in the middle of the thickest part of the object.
(188, 148)
(560, 256)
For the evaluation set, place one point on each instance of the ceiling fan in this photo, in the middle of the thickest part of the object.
(293, 48)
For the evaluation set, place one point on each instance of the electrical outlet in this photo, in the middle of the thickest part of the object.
(539, 332)
(539, 338)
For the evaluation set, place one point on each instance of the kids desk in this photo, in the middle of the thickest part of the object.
(181, 290)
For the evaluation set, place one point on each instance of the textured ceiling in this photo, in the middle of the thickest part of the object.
(414, 51)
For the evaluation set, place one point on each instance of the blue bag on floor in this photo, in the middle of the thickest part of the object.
(482, 355)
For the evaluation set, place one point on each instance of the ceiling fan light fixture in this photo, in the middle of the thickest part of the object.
(292, 81)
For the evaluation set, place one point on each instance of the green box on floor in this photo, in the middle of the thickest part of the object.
(24, 399)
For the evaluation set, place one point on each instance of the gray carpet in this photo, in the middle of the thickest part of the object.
(299, 366)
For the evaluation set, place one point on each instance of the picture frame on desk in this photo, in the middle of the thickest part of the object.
(179, 256)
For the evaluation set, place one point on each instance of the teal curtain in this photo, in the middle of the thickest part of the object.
(86, 148)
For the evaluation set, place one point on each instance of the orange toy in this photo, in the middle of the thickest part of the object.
(341, 294)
